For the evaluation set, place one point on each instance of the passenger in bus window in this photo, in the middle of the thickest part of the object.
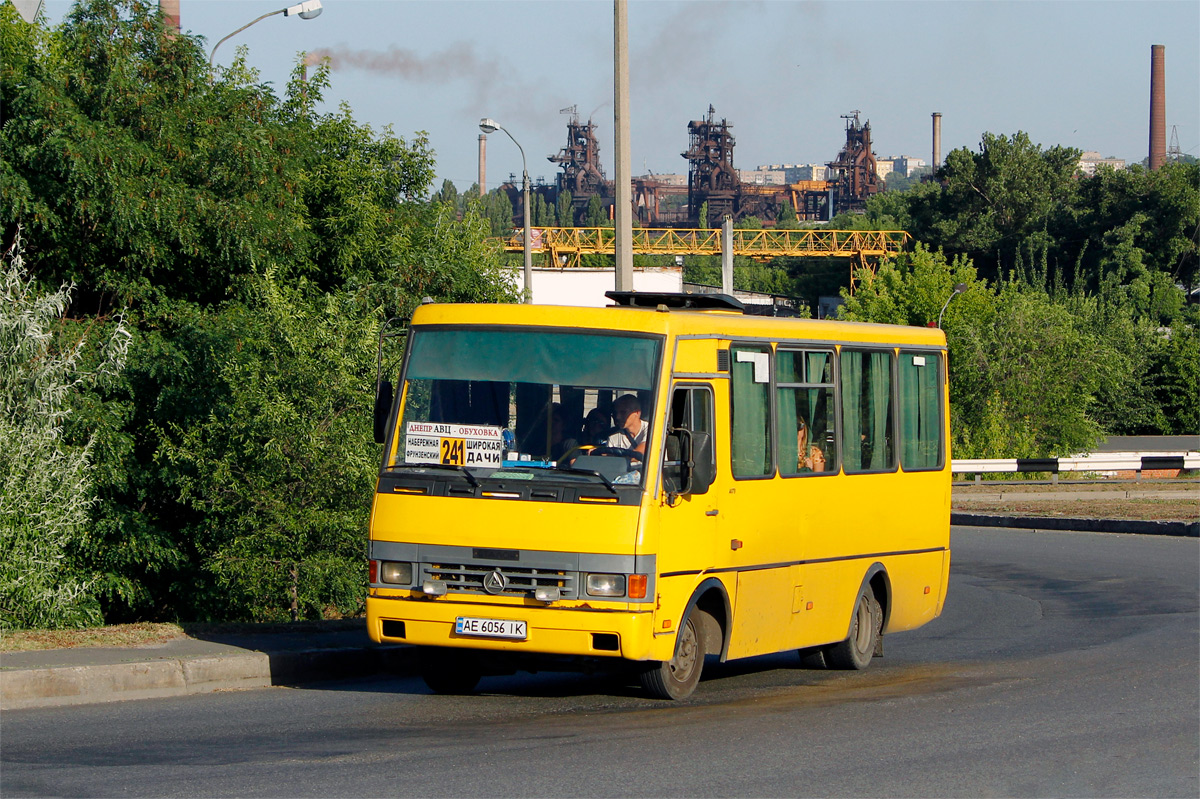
(816, 458)
(809, 457)
(631, 430)
(558, 444)
(597, 428)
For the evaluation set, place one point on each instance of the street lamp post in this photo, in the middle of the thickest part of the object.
(488, 125)
(306, 10)
(958, 289)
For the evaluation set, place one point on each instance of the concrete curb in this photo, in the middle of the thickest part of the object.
(79, 685)
(1058, 524)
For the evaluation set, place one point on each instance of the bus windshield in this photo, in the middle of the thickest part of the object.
(525, 399)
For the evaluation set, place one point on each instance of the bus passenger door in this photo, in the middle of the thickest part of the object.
(688, 522)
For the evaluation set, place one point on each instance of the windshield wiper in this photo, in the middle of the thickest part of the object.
(607, 483)
(463, 470)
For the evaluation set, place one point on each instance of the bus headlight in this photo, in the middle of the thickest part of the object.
(395, 573)
(606, 585)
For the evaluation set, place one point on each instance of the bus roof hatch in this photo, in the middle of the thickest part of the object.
(671, 299)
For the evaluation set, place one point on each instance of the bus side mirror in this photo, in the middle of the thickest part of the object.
(383, 405)
(688, 465)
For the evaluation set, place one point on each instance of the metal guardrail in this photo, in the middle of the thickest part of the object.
(1096, 462)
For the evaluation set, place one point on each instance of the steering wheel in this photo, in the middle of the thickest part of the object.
(632, 454)
(568, 457)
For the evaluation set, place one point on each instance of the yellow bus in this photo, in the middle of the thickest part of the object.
(656, 481)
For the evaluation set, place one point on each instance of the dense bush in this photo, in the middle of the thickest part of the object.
(46, 486)
(255, 246)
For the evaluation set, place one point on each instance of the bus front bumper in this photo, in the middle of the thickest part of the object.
(578, 631)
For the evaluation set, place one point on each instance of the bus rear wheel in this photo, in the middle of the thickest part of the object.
(677, 678)
(450, 672)
(856, 651)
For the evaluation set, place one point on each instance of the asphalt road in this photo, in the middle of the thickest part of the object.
(1064, 664)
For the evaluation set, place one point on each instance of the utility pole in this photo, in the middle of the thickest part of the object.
(623, 213)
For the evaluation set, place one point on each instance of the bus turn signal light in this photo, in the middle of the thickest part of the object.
(637, 586)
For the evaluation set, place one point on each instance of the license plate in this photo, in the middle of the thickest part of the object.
(491, 628)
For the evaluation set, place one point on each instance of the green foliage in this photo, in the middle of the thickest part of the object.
(1176, 370)
(566, 213)
(46, 489)
(496, 210)
(594, 215)
(787, 219)
(1018, 384)
(279, 474)
(259, 244)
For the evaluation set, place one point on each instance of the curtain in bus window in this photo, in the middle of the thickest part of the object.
(819, 369)
(852, 379)
(787, 370)
(881, 411)
(866, 410)
(751, 413)
(920, 419)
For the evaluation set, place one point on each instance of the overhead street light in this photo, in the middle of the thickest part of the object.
(309, 9)
(488, 125)
(958, 289)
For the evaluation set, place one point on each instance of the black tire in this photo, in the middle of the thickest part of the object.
(448, 672)
(856, 651)
(677, 678)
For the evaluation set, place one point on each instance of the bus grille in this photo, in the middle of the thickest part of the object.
(467, 578)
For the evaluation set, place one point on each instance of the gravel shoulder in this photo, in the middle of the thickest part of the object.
(1168, 500)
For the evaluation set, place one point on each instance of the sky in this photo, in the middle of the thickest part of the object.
(782, 73)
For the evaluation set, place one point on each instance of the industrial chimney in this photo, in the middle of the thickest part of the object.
(937, 140)
(482, 163)
(1158, 106)
(170, 12)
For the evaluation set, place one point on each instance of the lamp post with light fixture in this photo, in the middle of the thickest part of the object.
(488, 125)
(958, 289)
(306, 10)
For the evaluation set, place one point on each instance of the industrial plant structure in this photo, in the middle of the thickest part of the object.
(714, 186)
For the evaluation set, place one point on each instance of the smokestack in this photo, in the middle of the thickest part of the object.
(170, 12)
(482, 163)
(937, 140)
(1158, 106)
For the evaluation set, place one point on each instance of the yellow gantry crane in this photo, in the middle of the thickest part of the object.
(565, 245)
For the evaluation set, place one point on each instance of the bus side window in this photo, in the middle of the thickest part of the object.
(804, 403)
(921, 420)
(867, 412)
(692, 409)
(750, 388)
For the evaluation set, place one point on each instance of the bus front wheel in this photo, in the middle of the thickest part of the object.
(856, 651)
(677, 678)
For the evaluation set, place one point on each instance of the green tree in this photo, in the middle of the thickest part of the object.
(279, 475)
(448, 193)
(149, 184)
(566, 213)
(787, 219)
(594, 215)
(1018, 386)
(987, 203)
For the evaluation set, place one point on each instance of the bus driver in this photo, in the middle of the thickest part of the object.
(631, 430)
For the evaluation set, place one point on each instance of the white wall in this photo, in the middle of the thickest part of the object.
(585, 287)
